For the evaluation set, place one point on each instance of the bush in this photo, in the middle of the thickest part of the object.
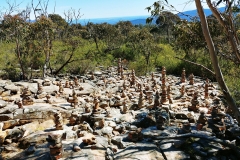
(11, 73)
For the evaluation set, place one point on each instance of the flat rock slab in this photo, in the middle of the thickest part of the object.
(172, 152)
(141, 151)
(2, 103)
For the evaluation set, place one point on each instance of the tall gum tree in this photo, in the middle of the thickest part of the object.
(226, 21)
(213, 53)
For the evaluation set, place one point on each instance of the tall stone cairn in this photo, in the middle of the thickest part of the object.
(121, 72)
(183, 77)
(60, 90)
(182, 90)
(140, 100)
(206, 88)
(133, 78)
(164, 99)
(75, 99)
(40, 88)
(169, 94)
(191, 79)
(156, 100)
(76, 82)
(152, 77)
(119, 65)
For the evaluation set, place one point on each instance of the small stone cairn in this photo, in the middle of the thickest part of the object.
(74, 119)
(183, 77)
(76, 82)
(194, 103)
(58, 120)
(73, 100)
(26, 97)
(67, 85)
(191, 79)
(61, 89)
(56, 149)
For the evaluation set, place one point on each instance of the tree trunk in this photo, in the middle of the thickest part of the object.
(168, 34)
(66, 63)
(227, 24)
(20, 60)
(214, 60)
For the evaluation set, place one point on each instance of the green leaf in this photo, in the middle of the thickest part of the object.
(148, 8)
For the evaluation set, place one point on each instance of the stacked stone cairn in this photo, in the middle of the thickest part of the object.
(61, 89)
(58, 120)
(164, 99)
(183, 77)
(206, 89)
(133, 78)
(26, 97)
(73, 100)
(191, 79)
(119, 66)
(56, 149)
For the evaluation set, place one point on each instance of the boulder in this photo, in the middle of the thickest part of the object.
(3, 104)
(3, 135)
(10, 123)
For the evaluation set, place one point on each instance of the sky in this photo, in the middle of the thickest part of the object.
(102, 8)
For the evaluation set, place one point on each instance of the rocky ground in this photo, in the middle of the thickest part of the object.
(113, 114)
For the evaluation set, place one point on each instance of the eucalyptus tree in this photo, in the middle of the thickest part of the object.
(59, 25)
(106, 37)
(16, 30)
(42, 35)
(142, 43)
(227, 28)
(124, 27)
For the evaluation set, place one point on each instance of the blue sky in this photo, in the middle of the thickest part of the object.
(104, 8)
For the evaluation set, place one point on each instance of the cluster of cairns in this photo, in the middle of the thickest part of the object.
(114, 110)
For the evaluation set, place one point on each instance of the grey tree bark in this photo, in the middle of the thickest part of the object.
(214, 60)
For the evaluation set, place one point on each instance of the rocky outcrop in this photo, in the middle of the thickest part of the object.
(114, 114)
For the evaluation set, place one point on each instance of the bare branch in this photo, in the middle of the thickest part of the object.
(44, 7)
(197, 65)
(77, 15)
(12, 7)
(228, 28)
(68, 16)
(54, 7)
(35, 9)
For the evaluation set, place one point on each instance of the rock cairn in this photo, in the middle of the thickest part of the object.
(164, 99)
(119, 65)
(56, 149)
(183, 76)
(26, 97)
(191, 79)
(206, 89)
(58, 120)
(73, 100)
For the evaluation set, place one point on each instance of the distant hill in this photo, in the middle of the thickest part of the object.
(114, 20)
(136, 20)
(193, 13)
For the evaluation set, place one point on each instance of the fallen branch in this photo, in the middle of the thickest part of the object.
(197, 65)
(203, 136)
